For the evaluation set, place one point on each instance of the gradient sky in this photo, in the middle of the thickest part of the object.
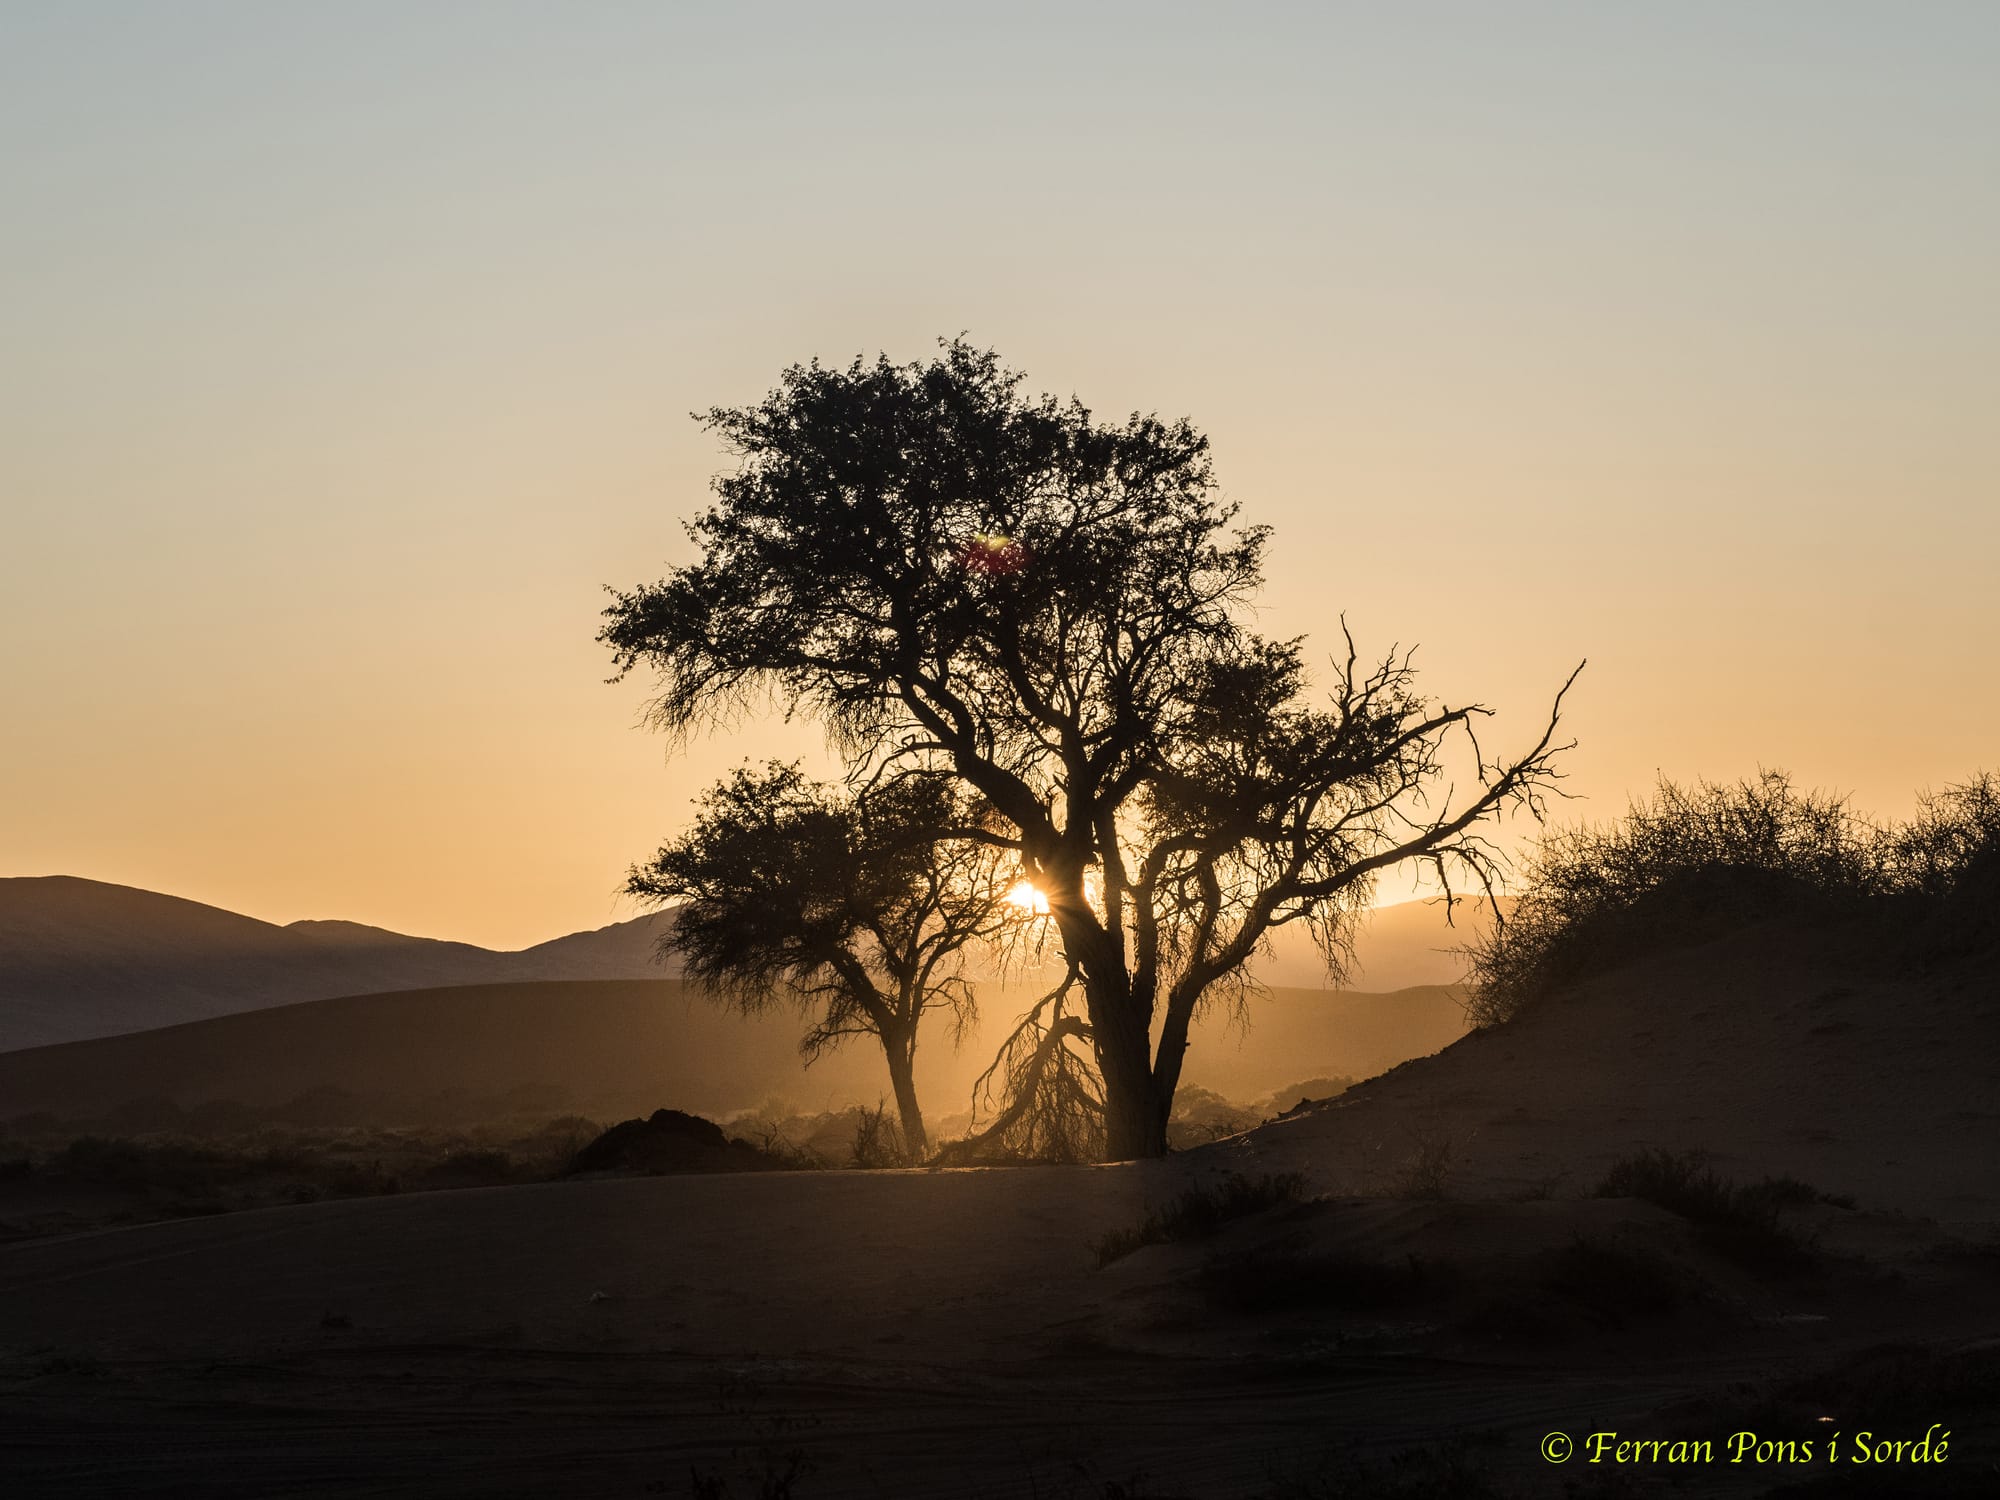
(345, 352)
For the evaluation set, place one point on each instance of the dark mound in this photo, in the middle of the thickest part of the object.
(670, 1141)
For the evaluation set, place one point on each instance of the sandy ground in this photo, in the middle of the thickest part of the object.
(950, 1333)
(901, 1333)
(614, 1049)
(1775, 1051)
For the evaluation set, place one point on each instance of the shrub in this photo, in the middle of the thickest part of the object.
(1200, 1211)
(769, 1137)
(1738, 1223)
(1693, 863)
(1428, 1169)
(878, 1140)
(1946, 863)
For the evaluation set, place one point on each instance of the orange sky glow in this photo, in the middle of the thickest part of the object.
(348, 352)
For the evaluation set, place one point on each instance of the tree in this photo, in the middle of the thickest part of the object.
(852, 904)
(954, 575)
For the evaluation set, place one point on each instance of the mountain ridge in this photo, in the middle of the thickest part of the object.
(83, 958)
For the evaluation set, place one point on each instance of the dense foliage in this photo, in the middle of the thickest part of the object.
(1694, 862)
(1054, 610)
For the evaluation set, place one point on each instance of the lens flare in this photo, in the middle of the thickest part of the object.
(994, 554)
(1028, 898)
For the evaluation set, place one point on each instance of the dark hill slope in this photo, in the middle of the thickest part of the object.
(80, 958)
(1784, 1048)
(617, 1048)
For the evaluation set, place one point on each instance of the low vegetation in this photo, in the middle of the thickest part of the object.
(90, 1180)
(1201, 1211)
(1427, 1170)
(151, 1159)
(880, 1142)
(1742, 1223)
(869, 1136)
(1696, 862)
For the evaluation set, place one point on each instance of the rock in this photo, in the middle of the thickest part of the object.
(669, 1140)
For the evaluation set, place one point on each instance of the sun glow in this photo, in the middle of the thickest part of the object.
(1028, 898)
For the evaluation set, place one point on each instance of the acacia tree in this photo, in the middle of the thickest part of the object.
(854, 905)
(952, 574)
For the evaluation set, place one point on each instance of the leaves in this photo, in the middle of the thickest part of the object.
(960, 579)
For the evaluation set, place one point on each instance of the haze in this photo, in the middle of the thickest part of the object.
(346, 355)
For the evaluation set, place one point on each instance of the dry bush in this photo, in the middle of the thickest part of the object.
(1946, 865)
(771, 1138)
(1046, 1089)
(1202, 1210)
(1739, 1222)
(878, 1139)
(1428, 1169)
(1693, 863)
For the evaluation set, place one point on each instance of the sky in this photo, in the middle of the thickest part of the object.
(346, 354)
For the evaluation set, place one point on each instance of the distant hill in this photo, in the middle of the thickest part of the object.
(616, 1048)
(81, 958)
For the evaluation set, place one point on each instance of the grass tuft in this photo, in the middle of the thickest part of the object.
(1740, 1223)
(1201, 1211)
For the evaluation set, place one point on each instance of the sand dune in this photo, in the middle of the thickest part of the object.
(616, 1048)
(1779, 1049)
(950, 1334)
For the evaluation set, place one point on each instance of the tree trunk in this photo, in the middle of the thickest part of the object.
(902, 1077)
(1135, 1109)
(1135, 1119)
(1173, 1045)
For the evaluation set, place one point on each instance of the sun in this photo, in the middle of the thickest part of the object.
(1028, 898)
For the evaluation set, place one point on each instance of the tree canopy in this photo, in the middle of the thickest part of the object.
(956, 576)
(854, 905)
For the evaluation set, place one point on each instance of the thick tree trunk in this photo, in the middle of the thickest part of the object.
(902, 1077)
(1135, 1121)
(1135, 1108)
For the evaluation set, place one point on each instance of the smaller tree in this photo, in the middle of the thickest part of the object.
(858, 906)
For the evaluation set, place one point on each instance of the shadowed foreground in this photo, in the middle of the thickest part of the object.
(1450, 1290)
(841, 1333)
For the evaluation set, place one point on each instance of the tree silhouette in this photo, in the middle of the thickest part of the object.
(851, 904)
(954, 575)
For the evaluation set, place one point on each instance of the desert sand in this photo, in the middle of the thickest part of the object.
(610, 1048)
(951, 1333)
